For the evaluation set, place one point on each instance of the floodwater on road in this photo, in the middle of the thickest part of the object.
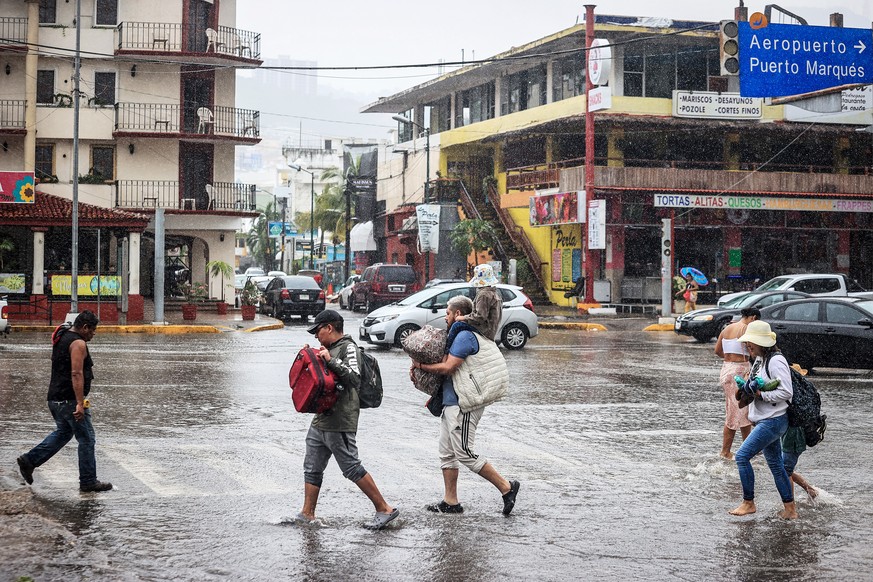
(613, 435)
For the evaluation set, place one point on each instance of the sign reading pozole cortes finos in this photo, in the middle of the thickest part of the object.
(16, 187)
(761, 203)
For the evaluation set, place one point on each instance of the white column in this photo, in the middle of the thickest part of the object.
(133, 262)
(38, 287)
(550, 81)
(498, 90)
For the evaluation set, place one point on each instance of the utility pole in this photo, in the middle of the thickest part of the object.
(589, 154)
(348, 253)
(282, 255)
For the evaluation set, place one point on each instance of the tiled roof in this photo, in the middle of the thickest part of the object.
(50, 210)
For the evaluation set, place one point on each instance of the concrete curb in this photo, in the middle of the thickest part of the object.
(571, 325)
(659, 327)
(149, 329)
(278, 325)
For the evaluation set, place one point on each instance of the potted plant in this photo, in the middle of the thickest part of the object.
(248, 299)
(214, 269)
(194, 293)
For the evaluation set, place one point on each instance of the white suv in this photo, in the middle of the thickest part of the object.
(4, 315)
(388, 325)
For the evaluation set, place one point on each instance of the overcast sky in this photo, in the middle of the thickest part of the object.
(381, 32)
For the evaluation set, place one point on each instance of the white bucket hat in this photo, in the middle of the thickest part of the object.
(759, 333)
(483, 276)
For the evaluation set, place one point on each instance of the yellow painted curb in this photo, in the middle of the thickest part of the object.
(278, 325)
(571, 325)
(659, 327)
(584, 307)
(148, 329)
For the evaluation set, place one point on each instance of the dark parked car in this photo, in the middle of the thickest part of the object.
(705, 324)
(382, 284)
(830, 332)
(293, 295)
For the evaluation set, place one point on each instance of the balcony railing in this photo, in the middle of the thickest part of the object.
(168, 37)
(13, 31)
(168, 118)
(150, 194)
(12, 114)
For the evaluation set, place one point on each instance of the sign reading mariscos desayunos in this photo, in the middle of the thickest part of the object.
(785, 59)
(713, 105)
(761, 203)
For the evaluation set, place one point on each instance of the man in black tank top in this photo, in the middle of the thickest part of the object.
(69, 385)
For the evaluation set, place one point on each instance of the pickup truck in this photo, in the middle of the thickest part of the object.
(828, 284)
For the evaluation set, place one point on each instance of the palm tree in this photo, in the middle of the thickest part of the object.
(473, 235)
(258, 240)
(330, 207)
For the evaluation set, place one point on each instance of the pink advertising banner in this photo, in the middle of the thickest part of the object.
(561, 208)
(16, 187)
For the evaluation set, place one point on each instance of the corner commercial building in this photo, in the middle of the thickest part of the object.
(754, 190)
(158, 129)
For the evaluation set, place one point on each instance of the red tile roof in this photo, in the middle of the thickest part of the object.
(50, 210)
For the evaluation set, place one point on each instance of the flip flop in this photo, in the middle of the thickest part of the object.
(380, 520)
(301, 519)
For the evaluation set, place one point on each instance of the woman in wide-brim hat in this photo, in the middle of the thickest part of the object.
(768, 415)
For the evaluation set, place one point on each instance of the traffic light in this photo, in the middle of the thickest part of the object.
(729, 47)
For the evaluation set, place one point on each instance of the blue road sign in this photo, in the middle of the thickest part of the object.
(274, 229)
(789, 59)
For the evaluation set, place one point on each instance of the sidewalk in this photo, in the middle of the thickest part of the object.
(206, 322)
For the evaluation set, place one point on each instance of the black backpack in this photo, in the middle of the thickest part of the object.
(804, 408)
(370, 390)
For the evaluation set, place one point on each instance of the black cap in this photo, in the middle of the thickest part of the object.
(326, 316)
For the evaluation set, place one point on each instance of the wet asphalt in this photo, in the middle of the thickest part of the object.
(613, 435)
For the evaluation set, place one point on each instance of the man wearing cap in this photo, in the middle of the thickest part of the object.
(487, 306)
(332, 433)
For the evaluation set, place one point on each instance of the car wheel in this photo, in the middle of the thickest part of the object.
(702, 338)
(514, 336)
(341, 302)
(403, 332)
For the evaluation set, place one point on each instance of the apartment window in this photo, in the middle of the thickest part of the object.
(45, 160)
(48, 10)
(474, 105)
(45, 87)
(568, 76)
(405, 130)
(104, 88)
(439, 115)
(106, 13)
(536, 87)
(103, 162)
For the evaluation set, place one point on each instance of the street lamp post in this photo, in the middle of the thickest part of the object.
(300, 168)
(405, 121)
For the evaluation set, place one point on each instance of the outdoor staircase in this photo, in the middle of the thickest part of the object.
(512, 242)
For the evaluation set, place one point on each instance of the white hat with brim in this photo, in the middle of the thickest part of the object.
(759, 333)
(483, 276)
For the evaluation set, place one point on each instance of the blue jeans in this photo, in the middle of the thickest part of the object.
(67, 428)
(765, 437)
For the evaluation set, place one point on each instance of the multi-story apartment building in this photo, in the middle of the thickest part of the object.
(754, 188)
(158, 125)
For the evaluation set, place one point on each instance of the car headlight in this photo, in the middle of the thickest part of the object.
(703, 318)
(384, 318)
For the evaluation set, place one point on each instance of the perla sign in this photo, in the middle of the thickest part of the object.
(712, 105)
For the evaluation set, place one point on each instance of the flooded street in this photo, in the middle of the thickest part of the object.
(613, 435)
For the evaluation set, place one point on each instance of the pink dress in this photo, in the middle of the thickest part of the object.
(734, 416)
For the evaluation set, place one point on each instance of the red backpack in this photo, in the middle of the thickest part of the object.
(313, 386)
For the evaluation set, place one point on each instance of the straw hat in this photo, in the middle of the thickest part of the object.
(759, 333)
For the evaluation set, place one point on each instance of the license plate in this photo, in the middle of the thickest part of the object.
(397, 288)
(678, 325)
(362, 333)
(303, 297)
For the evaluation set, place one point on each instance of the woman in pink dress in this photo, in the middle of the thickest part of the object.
(736, 363)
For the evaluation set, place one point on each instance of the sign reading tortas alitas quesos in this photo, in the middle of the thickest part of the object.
(761, 203)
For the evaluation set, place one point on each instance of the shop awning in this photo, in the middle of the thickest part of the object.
(361, 237)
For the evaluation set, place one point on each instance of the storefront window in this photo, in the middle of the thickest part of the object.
(568, 77)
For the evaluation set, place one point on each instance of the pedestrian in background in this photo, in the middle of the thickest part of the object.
(69, 385)
(333, 433)
(768, 415)
(475, 376)
(689, 293)
(736, 363)
(488, 305)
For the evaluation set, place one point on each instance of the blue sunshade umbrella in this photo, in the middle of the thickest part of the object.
(699, 277)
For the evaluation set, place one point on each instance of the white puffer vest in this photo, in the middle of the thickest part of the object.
(482, 378)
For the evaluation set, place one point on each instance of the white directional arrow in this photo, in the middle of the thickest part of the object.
(860, 46)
